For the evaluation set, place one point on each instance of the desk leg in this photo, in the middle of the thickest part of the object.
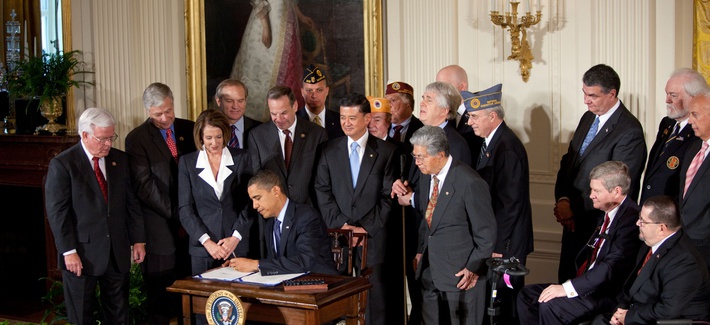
(186, 310)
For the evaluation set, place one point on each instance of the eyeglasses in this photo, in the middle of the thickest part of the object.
(104, 140)
(643, 223)
(419, 157)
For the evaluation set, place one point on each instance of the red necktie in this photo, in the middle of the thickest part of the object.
(171, 143)
(432, 201)
(100, 178)
(645, 259)
(288, 147)
(397, 133)
(234, 140)
(694, 166)
(597, 245)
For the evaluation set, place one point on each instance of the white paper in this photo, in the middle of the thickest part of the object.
(224, 273)
(270, 280)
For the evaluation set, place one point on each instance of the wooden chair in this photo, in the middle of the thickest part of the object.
(344, 258)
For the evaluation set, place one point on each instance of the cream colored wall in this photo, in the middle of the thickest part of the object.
(134, 43)
(642, 40)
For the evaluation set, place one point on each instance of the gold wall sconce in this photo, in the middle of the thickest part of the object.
(520, 49)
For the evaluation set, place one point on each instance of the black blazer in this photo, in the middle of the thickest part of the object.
(154, 174)
(673, 284)
(616, 257)
(463, 227)
(80, 217)
(695, 206)
(266, 153)
(304, 242)
(249, 124)
(663, 170)
(201, 211)
(369, 204)
(331, 123)
(505, 169)
(457, 144)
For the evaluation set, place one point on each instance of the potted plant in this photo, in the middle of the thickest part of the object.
(46, 79)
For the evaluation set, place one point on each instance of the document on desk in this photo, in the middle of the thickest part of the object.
(224, 273)
(269, 280)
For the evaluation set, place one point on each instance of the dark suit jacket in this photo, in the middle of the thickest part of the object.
(474, 142)
(266, 153)
(249, 124)
(81, 218)
(154, 174)
(695, 206)
(414, 125)
(369, 204)
(615, 260)
(331, 123)
(304, 242)
(663, 170)
(673, 284)
(505, 169)
(463, 227)
(457, 144)
(621, 138)
(201, 211)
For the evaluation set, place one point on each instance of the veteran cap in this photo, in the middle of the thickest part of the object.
(483, 99)
(399, 87)
(379, 104)
(313, 75)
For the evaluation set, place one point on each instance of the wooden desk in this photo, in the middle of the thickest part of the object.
(274, 305)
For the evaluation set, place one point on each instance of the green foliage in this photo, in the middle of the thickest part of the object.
(137, 313)
(47, 76)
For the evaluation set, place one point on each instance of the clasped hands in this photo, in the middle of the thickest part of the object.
(563, 214)
(222, 249)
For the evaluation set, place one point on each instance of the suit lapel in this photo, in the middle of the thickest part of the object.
(299, 140)
(80, 156)
(492, 146)
(273, 137)
(696, 179)
(661, 161)
(289, 219)
(445, 193)
(368, 161)
(159, 141)
(605, 130)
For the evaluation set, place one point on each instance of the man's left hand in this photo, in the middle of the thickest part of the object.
(138, 252)
(468, 279)
(552, 292)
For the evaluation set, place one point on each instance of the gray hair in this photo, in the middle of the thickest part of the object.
(155, 95)
(498, 110)
(94, 117)
(612, 174)
(693, 82)
(446, 96)
(433, 138)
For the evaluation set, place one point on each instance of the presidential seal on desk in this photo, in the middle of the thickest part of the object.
(224, 308)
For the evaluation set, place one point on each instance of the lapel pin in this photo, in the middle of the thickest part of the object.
(371, 155)
(113, 163)
(287, 227)
(665, 132)
(680, 138)
(447, 193)
(181, 139)
(488, 155)
(606, 130)
(303, 135)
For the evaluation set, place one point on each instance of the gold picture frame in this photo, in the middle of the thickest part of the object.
(195, 60)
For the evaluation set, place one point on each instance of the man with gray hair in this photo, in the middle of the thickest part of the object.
(456, 235)
(95, 218)
(604, 263)
(503, 163)
(674, 136)
(154, 148)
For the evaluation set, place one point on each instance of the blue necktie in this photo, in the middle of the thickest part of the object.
(354, 162)
(277, 236)
(234, 140)
(590, 135)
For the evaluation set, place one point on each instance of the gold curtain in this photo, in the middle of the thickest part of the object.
(28, 15)
(701, 38)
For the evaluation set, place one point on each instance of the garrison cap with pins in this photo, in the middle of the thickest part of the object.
(313, 75)
(483, 99)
